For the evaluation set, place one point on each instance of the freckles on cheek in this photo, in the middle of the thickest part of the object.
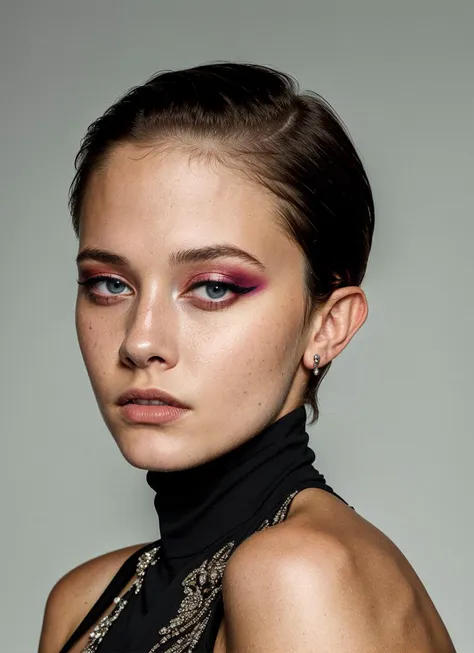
(91, 339)
(268, 345)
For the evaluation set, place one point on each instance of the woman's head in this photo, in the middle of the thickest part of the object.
(217, 158)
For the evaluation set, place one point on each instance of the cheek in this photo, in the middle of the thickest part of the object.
(248, 353)
(96, 342)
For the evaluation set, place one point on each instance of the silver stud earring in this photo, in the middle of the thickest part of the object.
(316, 358)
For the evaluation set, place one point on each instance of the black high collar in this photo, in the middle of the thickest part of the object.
(199, 506)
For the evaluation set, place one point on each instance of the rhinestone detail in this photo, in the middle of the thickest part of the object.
(96, 636)
(200, 588)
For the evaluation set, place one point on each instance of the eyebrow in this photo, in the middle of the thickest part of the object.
(192, 255)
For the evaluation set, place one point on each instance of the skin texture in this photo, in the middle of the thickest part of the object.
(250, 358)
(326, 580)
(323, 580)
(74, 595)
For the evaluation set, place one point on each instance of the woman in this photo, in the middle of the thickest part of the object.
(224, 223)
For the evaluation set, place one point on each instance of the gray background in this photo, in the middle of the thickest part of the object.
(395, 434)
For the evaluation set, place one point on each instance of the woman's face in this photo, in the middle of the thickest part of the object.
(168, 321)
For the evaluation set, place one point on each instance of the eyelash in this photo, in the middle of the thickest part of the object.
(88, 285)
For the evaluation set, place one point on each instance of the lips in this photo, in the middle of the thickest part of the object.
(149, 393)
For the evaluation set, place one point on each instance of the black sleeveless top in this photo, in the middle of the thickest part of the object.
(205, 512)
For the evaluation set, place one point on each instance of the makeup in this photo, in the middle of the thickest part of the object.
(229, 278)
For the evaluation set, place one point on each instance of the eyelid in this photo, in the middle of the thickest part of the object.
(102, 277)
(95, 278)
(99, 276)
(209, 278)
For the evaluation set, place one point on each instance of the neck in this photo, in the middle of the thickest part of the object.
(200, 506)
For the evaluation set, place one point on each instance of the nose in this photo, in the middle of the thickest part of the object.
(150, 334)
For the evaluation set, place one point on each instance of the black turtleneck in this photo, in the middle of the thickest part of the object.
(200, 506)
(201, 510)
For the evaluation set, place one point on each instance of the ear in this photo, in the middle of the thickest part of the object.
(334, 324)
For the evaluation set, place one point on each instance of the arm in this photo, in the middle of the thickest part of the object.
(57, 617)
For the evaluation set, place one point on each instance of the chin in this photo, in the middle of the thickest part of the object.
(150, 449)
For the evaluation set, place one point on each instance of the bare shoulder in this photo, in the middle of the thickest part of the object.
(326, 579)
(75, 593)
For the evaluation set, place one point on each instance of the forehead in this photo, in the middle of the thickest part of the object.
(171, 199)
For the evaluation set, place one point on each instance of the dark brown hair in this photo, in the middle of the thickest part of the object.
(255, 118)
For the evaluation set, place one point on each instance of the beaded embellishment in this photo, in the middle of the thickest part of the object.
(146, 560)
(200, 588)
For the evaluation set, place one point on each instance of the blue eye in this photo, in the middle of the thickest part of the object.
(113, 285)
(215, 289)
